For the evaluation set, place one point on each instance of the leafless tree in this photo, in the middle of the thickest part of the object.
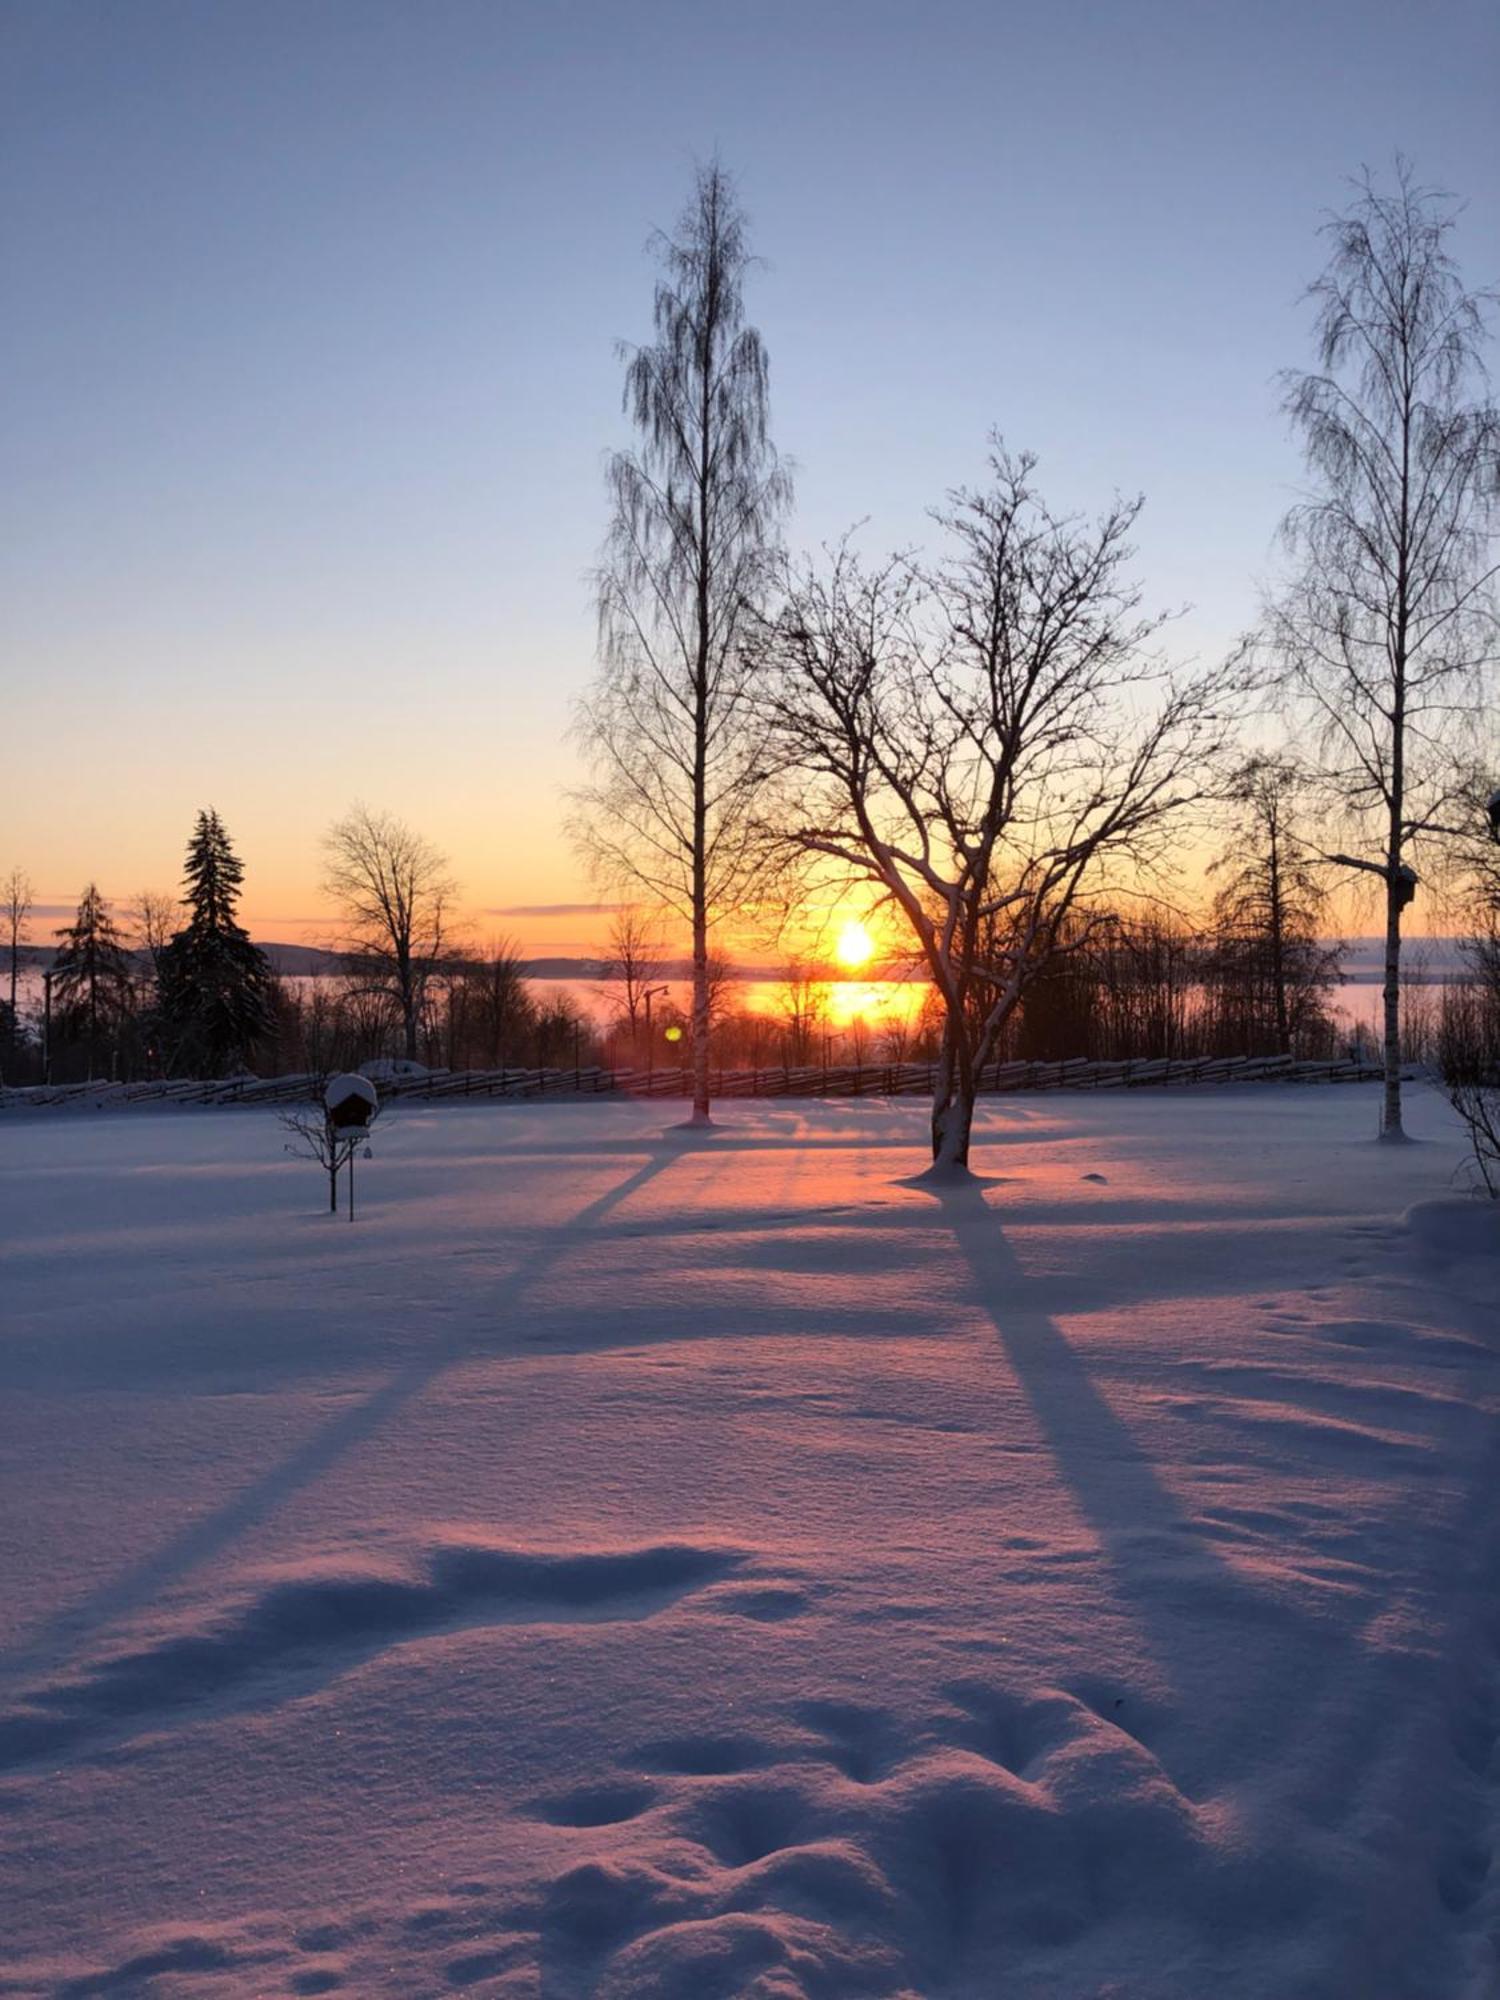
(696, 509)
(632, 963)
(1468, 1049)
(314, 1136)
(1389, 627)
(154, 920)
(395, 898)
(988, 742)
(491, 1013)
(1267, 956)
(15, 908)
(801, 1011)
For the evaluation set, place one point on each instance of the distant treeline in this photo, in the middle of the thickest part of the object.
(179, 990)
(1133, 986)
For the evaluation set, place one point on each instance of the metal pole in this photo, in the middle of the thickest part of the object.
(47, 1027)
(350, 1158)
(647, 996)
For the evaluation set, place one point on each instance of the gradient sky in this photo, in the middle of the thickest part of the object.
(307, 369)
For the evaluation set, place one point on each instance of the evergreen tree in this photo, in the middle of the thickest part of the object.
(214, 985)
(91, 985)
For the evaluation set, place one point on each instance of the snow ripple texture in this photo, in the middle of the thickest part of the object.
(628, 1564)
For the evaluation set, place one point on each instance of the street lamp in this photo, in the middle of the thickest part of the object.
(648, 996)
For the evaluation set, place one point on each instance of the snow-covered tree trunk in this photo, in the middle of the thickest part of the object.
(952, 1110)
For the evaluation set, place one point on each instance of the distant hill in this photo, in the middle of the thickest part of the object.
(300, 960)
(1425, 960)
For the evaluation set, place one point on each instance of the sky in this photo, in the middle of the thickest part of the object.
(308, 362)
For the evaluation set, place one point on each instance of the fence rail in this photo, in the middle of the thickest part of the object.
(811, 1080)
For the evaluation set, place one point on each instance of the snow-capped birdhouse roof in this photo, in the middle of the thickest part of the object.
(352, 1091)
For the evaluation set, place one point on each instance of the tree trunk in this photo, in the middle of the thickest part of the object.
(952, 1105)
(700, 749)
(1278, 953)
(1390, 1118)
(700, 1033)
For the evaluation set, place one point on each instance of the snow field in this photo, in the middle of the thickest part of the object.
(621, 1564)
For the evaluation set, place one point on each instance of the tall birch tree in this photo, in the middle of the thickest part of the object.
(1388, 630)
(696, 508)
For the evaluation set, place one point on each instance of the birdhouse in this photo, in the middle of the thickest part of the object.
(1406, 885)
(351, 1102)
(1492, 812)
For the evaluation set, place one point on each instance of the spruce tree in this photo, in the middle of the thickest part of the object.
(214, 985)
(91, 989)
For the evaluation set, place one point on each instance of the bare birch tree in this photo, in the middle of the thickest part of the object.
(990, 744)
(696, 508)
(801, 1012)
(395, 897)
(16, 899)
(154, 918)
(1268, 960)
(632, 964)
(1389, 628)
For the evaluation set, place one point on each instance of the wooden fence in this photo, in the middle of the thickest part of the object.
(813, 1080)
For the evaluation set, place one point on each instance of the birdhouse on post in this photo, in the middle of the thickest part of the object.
(351, 1104)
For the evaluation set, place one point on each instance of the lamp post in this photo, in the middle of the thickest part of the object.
(648, 996)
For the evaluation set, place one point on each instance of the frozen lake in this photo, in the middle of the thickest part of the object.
(617, 1566)
(1428, 962)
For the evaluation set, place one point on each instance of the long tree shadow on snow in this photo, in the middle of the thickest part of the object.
(301, 1468)
(1167, 1573)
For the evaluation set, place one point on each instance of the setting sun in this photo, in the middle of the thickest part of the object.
(855, 946)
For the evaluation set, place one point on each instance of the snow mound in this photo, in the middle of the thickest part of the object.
(1454, 1231)
(1459, 1242)
(302, 1629)
(788, 1864)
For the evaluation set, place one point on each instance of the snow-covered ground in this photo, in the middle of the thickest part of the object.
(616, 1565)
